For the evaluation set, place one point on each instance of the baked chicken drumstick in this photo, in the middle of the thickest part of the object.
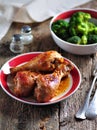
(48, 84)
(24, 83)
(46, 61)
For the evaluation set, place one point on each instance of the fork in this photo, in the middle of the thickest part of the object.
(91, 112)
(81, 114)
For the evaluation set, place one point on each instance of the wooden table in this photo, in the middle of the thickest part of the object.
(15, 115)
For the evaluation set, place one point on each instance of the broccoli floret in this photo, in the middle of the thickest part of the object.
(92, 28)
(92, 38)
(61, 22)
(83, 28)
(60, 28)
(84, 40)
(95, 31)
(78, 24)
(79, 17)
(74, 39)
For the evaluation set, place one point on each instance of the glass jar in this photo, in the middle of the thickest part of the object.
(16, 45)
(26, 33)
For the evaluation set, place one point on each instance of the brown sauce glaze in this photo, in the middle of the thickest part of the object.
(64, 85)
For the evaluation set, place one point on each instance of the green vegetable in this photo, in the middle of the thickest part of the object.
(60, 28)
(92, 28)
(74, 39)
(92, 38)
(78, 24)
(80, 17)
(84, 40)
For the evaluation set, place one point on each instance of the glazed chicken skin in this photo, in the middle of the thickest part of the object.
(24, 83)
(49, 83)
(46, 61)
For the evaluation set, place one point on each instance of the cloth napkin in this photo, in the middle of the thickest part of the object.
(29, 11)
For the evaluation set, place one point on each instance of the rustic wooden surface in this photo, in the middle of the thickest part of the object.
(15, 115)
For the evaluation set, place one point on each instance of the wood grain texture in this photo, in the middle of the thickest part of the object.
(15, 115)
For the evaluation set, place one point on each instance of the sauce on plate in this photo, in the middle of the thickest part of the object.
(64, 85)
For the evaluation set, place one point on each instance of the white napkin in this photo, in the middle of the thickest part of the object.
(40, 10)
(28, 11)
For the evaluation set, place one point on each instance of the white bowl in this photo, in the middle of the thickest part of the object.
(70, 47)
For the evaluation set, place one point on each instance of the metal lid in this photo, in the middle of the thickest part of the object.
(26, 29)
(17, 37)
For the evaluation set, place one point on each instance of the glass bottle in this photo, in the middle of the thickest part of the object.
(26, 33)
(16, 45)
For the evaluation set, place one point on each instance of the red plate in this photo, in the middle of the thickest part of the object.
(75, 79)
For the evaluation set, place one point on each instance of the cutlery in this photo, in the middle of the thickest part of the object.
(81, 114)
(91, 112)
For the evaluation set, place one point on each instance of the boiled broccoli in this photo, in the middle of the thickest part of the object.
(60, 28)
(92, 28)
(84, 40)
(92, 38)
(80, 17)
(74, 39)
(78, 24)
